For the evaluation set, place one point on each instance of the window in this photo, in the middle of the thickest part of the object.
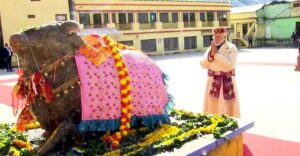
(143, 17)
(84, 18)
(97, 19)
(297, 28)
(232, 28)
(30, 16)
(202, 16)
(148, 45)
(174, 17)
(61, 17)
(171, 44)
(164, 17)
(206, 40)
(130, 18)
(190, 42)
(122, 18)
(189, 20)
(188, 17)
(105, 16)
(245, 28)
(185, 17)
(192, 17)
(129, 43)
(114, 17)
(296, 4)
(152, 17)
(222, 16)
(210, 16)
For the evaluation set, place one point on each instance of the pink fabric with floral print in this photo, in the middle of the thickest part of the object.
(100, 87)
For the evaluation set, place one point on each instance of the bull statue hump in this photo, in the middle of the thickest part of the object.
(74, 84)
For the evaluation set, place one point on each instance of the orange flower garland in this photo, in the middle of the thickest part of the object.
(22, 144)
(125, 91)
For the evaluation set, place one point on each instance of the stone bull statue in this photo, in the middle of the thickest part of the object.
(102, 86)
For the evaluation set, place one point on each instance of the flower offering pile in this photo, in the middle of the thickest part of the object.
(185, 127)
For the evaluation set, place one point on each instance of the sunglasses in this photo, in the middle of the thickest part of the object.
(219, 30)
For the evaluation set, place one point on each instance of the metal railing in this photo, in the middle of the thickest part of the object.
(208, 24)
(124, 26)
(189, 24)
(223, 23)
(95, 26)
(166, 25)
(145, 26)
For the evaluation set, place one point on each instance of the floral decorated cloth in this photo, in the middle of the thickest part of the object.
(101, 97)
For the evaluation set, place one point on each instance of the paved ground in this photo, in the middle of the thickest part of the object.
(267, 83)
(7, 80)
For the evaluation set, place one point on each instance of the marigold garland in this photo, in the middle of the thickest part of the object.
(22, 144)
(188, 126)
(125, 90)
(12, 141)
(164, 131)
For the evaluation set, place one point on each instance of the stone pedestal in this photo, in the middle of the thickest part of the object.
(208, 146)
(297, 68)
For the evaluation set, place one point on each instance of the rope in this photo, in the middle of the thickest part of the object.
(31, 51)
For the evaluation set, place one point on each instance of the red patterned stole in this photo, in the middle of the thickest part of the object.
(24, 93)
(220, 78)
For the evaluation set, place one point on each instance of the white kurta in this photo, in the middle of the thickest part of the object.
(224, 60)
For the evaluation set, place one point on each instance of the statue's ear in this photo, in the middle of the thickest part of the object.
(69, 27)
(16, 43)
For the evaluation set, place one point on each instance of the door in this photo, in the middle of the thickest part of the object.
(297, 28)
(152, 17)
(245, 29)
(268, 31)
(1, 34)
(1, 46)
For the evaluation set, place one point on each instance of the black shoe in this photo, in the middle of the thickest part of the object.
(11, 70)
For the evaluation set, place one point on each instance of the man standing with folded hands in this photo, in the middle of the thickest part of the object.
(221, 96)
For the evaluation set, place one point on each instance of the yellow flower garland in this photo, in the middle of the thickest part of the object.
(166, 130)
(169, 130)
(125, 90)
(208, 129)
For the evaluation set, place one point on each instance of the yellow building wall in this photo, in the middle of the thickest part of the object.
(238, 19)
(256, 30)
(124, 5)
(261, 31)
(14, 14)
(295, 8)
(160, 41)
(242, 16)
(159, 33)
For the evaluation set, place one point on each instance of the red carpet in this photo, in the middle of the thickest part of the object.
(6, 90)
(267, 63)
(256, 145)
(6, 94)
